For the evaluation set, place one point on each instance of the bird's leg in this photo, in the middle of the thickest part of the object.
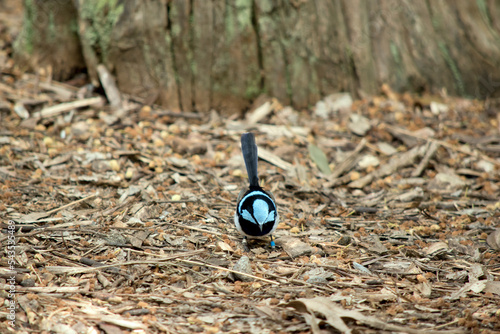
(245, 245)
(273, 245)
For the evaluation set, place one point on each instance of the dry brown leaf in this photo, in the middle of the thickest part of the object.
(492, 287)
(476, 286)
(493, 239)
(335, 316)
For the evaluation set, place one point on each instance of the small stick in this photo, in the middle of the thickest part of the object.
(443, 143)
(446, 324)
(70, 204)
(67, 106)
(158, 261)
(180, 114)
(432, 148)
(229, 270)
(274, 159)
(348, 162)
(201, 230)
(109, 85)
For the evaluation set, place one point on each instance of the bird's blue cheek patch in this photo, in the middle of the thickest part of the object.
(248, 216)
(270, 217)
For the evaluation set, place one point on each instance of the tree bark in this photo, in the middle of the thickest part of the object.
(201, 54)
(49, 39)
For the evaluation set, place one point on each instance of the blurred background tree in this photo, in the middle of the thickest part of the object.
(201, 54)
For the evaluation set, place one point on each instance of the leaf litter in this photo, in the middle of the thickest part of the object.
(124, 215)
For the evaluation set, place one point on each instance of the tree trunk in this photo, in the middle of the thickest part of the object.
(201, 54)
(49, 38)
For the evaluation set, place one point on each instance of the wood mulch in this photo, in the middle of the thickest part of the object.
(122, 217)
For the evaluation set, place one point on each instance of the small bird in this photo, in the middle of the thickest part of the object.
(256, 214)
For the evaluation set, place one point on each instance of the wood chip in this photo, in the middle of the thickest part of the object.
(64, 107)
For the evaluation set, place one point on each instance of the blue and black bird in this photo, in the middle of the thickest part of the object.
(256, 214)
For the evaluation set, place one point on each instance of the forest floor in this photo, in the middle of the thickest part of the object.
(122, 220)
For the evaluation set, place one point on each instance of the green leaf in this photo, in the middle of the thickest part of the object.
(319, 158)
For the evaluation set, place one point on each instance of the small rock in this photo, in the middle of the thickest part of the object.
(80, 129)
(344, 240)
(333, 103)
(321, 109)
(28, 283)
(338, 101)
(438, 108)
(317, 280)
(359, 125)
(243, 265)
(486, 166)
(387, 149)
(294, 247)
(452, 180)
(115, 239)
(368, 161)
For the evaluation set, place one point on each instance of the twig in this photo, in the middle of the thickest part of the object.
(402, 160)
(125, 203)
(172, 201)
(191, 115)
(46, 289)
(63, 107)
(201, 230)
(446, 324)
(260, 112)
(109, 85)
(70, 204)
(443, 143)
(65, 92)
(274, 159)
(348, 162)
(431, 150)
(229, 270)
(158, 261)
(196, 285)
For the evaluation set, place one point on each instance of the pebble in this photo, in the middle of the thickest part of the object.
(243, 265)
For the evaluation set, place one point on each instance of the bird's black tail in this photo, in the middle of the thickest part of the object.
(249, 149)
